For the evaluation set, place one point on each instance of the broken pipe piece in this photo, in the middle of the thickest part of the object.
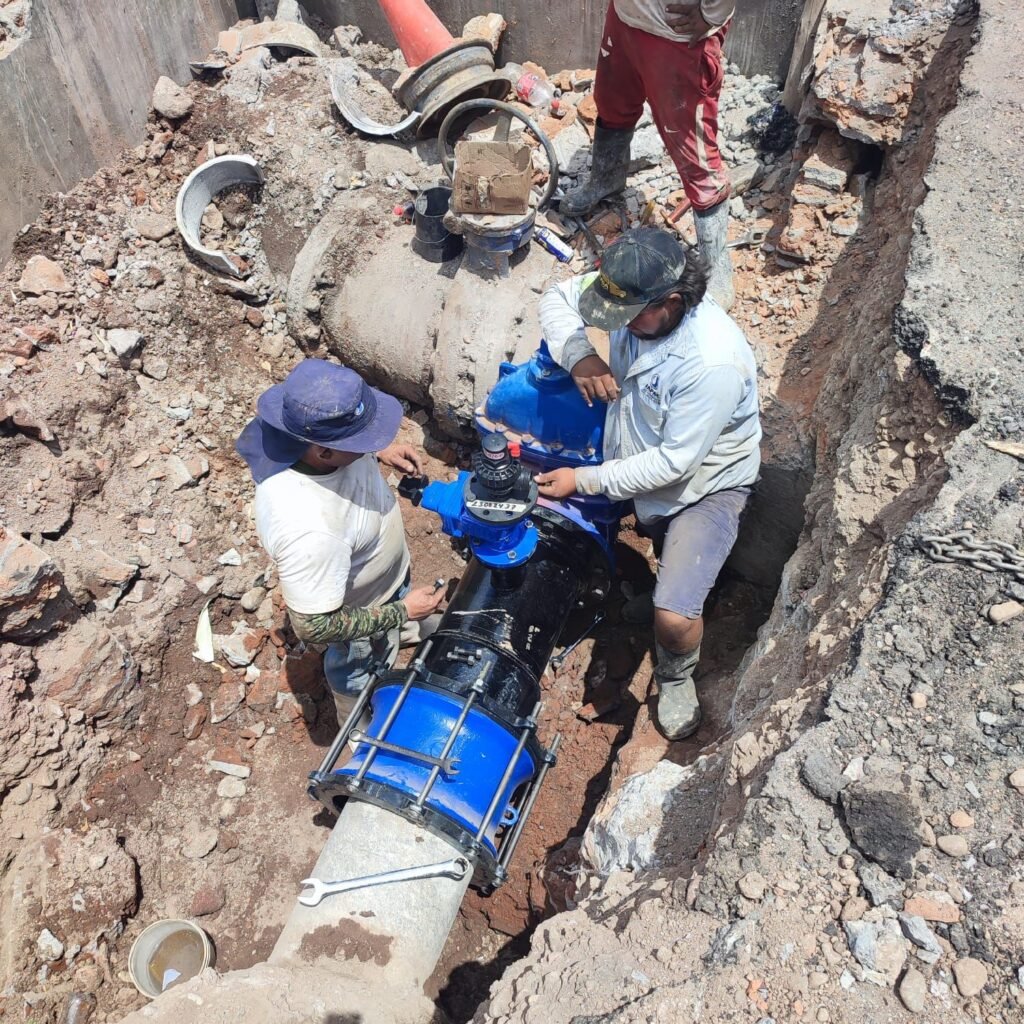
(199, 188)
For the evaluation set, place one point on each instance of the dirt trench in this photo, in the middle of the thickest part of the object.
(114, 724)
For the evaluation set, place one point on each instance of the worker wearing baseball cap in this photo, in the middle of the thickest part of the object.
(682, 430)
(328, 519)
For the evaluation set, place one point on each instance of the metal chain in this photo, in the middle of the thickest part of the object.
(992, 556)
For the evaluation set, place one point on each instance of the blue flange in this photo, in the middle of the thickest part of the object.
(481, 753)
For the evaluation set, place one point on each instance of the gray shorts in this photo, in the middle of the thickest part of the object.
(692, 547)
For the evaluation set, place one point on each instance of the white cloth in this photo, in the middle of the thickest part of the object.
(686, 422)
(650, 16)
(337, 538)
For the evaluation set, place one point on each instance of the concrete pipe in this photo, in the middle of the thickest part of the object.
(392, 933)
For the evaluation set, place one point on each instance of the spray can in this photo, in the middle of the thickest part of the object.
(554, 245)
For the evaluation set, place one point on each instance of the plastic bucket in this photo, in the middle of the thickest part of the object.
(433, 241)
(168, 953)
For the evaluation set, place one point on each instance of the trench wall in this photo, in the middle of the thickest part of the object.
(76, 88)
(565, 33)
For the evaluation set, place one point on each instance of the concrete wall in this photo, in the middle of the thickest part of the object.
(77, 89)
(565, 33)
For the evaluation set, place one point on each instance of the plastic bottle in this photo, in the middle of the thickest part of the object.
(532, 89)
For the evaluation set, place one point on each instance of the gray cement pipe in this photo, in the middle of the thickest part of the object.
(395, 931)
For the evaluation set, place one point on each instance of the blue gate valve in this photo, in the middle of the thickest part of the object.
(490, 506)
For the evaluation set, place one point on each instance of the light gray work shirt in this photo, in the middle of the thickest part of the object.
(686, 422)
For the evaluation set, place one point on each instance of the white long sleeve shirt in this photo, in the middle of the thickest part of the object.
(651, 16)
(686, 423)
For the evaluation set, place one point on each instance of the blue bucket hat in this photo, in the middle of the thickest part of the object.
(318, 403)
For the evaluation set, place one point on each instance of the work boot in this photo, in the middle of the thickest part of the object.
(678, 711)
(712, 236)
(609, 162)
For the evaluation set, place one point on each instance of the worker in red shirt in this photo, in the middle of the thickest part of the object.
(669, 55)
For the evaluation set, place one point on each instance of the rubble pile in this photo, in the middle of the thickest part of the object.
(15, 24)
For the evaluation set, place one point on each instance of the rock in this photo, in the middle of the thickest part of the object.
(854, 909)
(231, 789)
(878, 946)
(884, 819)
(918, 701)
(1004, 612)
(346, 38)
(153, 226)
(41, 276)
(624, 831)
(953, 846)
(230, 557)
(226, 700)
(208, 900)
(201, 844)
(49, 946)
(33, 598)
(155, 367)
(1015, 778)
(103, 577)
(970, 975)
(195, 719)
(240, 647)
(185, 472)
(227, 762)
(572, 147)
(21, 794)
(75, 899)
(882, 888)
(646, 150)
(752, 885)
(912, 990)
(124, 343)
(916, 929)
(92, 670)
(743, 177)
(485, 26)
(252, 599)
(386, 158)
(830, 165)
(822, 776)
(170, 100)
(933, 906)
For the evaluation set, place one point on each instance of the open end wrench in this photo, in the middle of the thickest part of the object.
(754, 238)
(455, 868)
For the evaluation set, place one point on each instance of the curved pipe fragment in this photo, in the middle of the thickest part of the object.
(343, 79)
(282, 35)
(195, 195)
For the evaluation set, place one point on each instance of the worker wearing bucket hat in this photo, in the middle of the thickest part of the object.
(682, 430)
(326, 516)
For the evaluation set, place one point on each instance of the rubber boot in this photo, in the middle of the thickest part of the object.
(609, 162)
(678, 712)
(712, 236)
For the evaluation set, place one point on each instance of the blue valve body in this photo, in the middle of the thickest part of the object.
(497, 545)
